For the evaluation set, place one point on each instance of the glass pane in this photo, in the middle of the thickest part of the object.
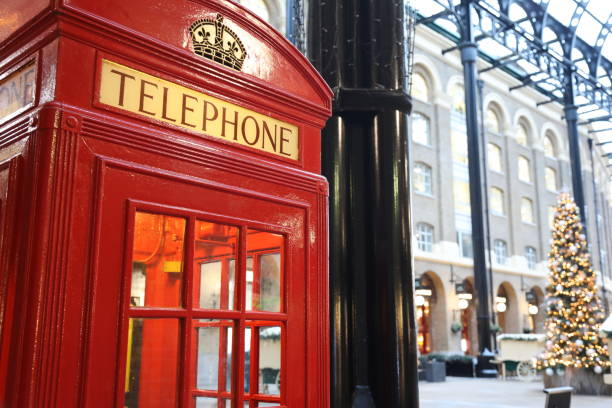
(420, 129)
(247, 360)
(206, 402)
(269, 283)
(152, 363)
(420, 89)
(494, 157)
(461, 194)
(215, 251)
(157, 259)
(214, 355)
(268, 404)
(265, 248)
(249, 283)
(269, 360)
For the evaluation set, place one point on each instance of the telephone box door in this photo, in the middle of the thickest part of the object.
(194, 283)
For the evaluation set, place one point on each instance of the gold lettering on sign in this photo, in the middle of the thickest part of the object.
(143, 94)
(17, 90)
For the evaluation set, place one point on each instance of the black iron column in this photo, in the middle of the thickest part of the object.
(571, 119)
(598, 225)
(469, 54)
(358, 46)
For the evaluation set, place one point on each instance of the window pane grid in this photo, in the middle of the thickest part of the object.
(219, 295)
(425, 237)
(501, 251)
(530, 255)
(421, 131)
(422, 178)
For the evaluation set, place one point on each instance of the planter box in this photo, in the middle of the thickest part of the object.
(435, 371)
(459, 369)
(584, 381)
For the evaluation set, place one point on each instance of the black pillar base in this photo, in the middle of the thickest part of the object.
(484, 367)
(362, 397)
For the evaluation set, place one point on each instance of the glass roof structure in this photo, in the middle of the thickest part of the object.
(544, 44)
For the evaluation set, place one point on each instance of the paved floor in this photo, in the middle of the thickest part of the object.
(490, 393)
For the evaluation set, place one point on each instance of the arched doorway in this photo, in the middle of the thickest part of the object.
(430, 301)
(506, 309)
(424, 295)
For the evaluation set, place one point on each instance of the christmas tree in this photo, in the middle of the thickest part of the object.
(574, 310)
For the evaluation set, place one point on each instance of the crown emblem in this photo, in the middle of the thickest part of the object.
(214, 40)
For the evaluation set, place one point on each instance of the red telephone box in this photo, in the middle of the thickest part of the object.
(162, 211)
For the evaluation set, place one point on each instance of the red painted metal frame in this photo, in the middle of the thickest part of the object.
(189, 313)
(59, 315)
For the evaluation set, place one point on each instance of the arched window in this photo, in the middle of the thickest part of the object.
(424, 237)
(550, 176)
(458, 96)
(497, 201)
(522, 135)
(494, 157)
(530, 255)
(524, 169)
(527, 210)
(422, 178)
(420, 88)
(549, 146)
(501, 251)
(421, 132)
(492, 122)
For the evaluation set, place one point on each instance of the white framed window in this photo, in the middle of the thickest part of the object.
(550, 176)
(422, 178)
(522, 134)
(494, 157)
(492, 122)
(530, 255)
(527, 210)
(497, 201)
(424, 236)
(524, 169)
(464, 239)
(549, 146)
(421, 129)
(501, 251)
(420, 87)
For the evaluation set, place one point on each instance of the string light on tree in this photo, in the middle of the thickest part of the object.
(573, 308)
